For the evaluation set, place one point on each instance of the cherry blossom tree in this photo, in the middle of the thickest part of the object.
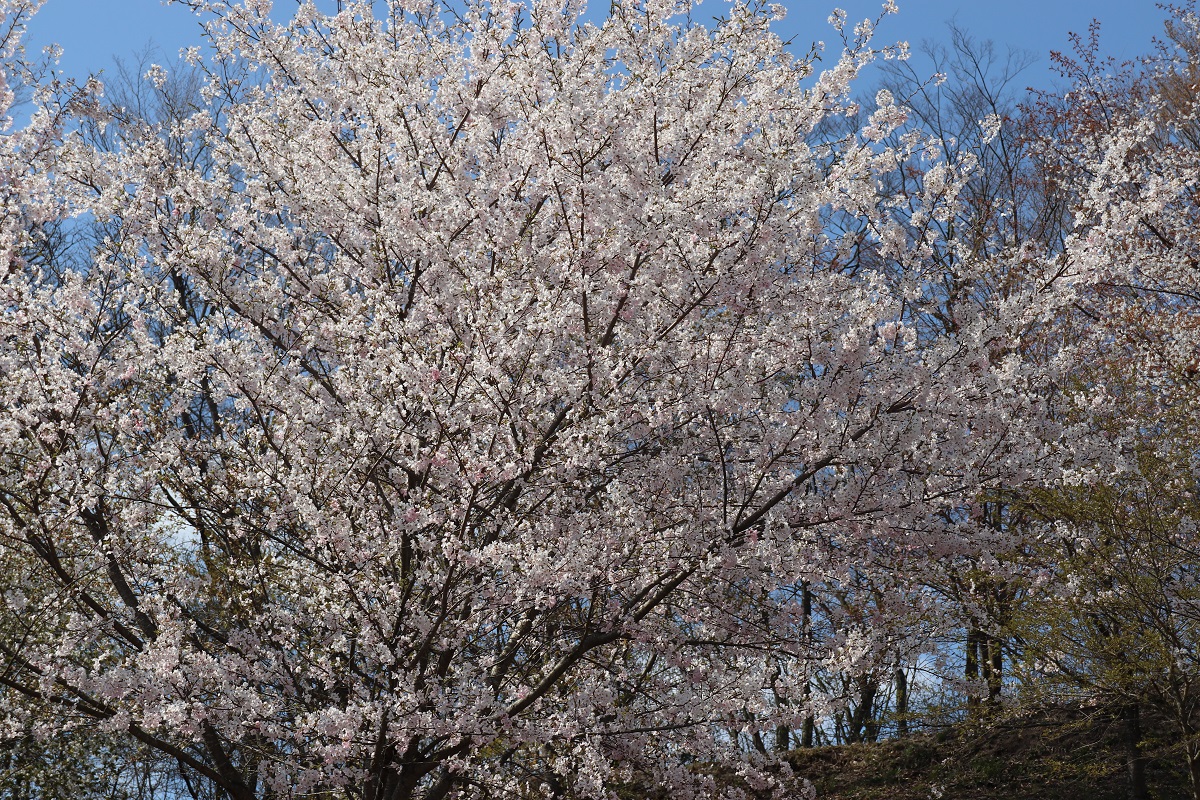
(454, 401)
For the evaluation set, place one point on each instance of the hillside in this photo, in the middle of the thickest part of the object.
(1064, 755)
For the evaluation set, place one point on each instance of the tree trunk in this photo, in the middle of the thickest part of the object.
(808, 729)
(1193, 762)
(901, 680)
(807, 732)
(1134, 759)
(971, 668)
(994, 669)
(863, 727)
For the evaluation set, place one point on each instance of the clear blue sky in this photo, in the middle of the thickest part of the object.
(93, 31)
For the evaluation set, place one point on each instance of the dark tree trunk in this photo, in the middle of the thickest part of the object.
(901, 680)
(994, 669)
(808, 729)
(1193, 762)
(971, 670)
(1134, 759)
(862, 725)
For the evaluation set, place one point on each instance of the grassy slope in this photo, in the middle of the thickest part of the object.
(1060, 756)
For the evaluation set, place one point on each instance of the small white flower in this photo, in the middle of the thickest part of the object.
(157, 76)
(991, 126)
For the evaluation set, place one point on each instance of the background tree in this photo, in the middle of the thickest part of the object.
(1121, 555)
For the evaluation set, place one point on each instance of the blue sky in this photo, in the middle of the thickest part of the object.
(91, 32)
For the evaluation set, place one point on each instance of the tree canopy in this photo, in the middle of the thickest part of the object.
(426, 400)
